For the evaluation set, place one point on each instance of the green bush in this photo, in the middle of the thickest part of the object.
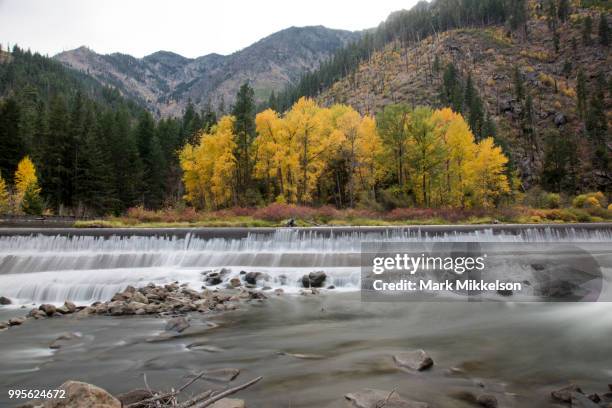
(32, 203)
(552, 200)
(590, 200)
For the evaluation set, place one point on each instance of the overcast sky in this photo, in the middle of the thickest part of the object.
(188, 27)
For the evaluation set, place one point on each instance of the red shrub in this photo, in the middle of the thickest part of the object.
(279, 212)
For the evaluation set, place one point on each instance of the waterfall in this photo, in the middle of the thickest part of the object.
(84, 268)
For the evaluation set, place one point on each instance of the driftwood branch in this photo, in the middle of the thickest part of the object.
(163, 396)
(195, 399)
(225, 393)
(201, 400)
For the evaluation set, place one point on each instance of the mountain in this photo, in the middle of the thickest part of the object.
(165, 82)
(415, 73)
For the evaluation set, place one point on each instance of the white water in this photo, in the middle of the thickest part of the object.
(83, 269)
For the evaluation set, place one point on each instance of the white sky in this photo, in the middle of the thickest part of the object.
(188, 27)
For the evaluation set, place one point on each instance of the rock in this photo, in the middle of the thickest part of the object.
(560, 119)
(235, 282)
(177, 324)
(487, 401)
(330, 287)
(221, 374)
(372, 398)
(229, 403)
(63, 340)
(83, 395)
(278, 291)
(314, 279)
(37, 314)
(580, 400)
(4, 325)
(140, 298)
(62, 310)
(70, 306)
(85, 311)
(140, 312)
(117, 308)
(594, 397)
(253, 277)
(302, 356)
(416, 360)
(134, 396)
(47, 308)
(16, 321)
(134, 306)
(5, 301)
(290, 223)
(565, 394)
(282, 279)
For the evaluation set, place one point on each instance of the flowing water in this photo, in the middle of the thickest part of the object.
(519, 352)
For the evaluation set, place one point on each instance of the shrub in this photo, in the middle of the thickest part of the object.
(552, 200)
(546, 79)
(590, 200)
(279, 212)
(581, 215)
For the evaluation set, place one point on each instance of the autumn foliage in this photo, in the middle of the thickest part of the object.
(318, 155)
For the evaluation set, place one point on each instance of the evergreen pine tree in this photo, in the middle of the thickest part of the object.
(587, 30)
(4, 196)
(581, 93)
(12, 148)
(519, 87)
(604, 30)
(31, 203)
(563, 9)
(244, 130)
(55, 154)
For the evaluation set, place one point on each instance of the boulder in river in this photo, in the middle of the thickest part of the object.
(314, 279)
(372, 398)
(417, 360)
(487, 401)
(254, 277)
(83, 395)
(5, 301)
(235, 282)
(582, 401)
(16, 321)
(134, 396)
(47, 308)
(177, 324)
(229, 403)
(221, 374)
(565, 394)
(64, 339)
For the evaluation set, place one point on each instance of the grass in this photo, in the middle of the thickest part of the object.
(276, 215)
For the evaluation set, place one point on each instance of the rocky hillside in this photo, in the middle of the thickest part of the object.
(408, 74)
(165, 82)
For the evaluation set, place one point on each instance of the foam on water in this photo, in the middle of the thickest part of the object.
(42, 268)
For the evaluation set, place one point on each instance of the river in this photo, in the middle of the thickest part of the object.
(311, 350)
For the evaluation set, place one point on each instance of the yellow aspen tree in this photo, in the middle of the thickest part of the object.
(368, 150)
(426, 152)
(489, 166)
(309, 128)
(27, 191)
(460, 151)
(347, 128)
(271, 150)
(209, 168)
(4, 197)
